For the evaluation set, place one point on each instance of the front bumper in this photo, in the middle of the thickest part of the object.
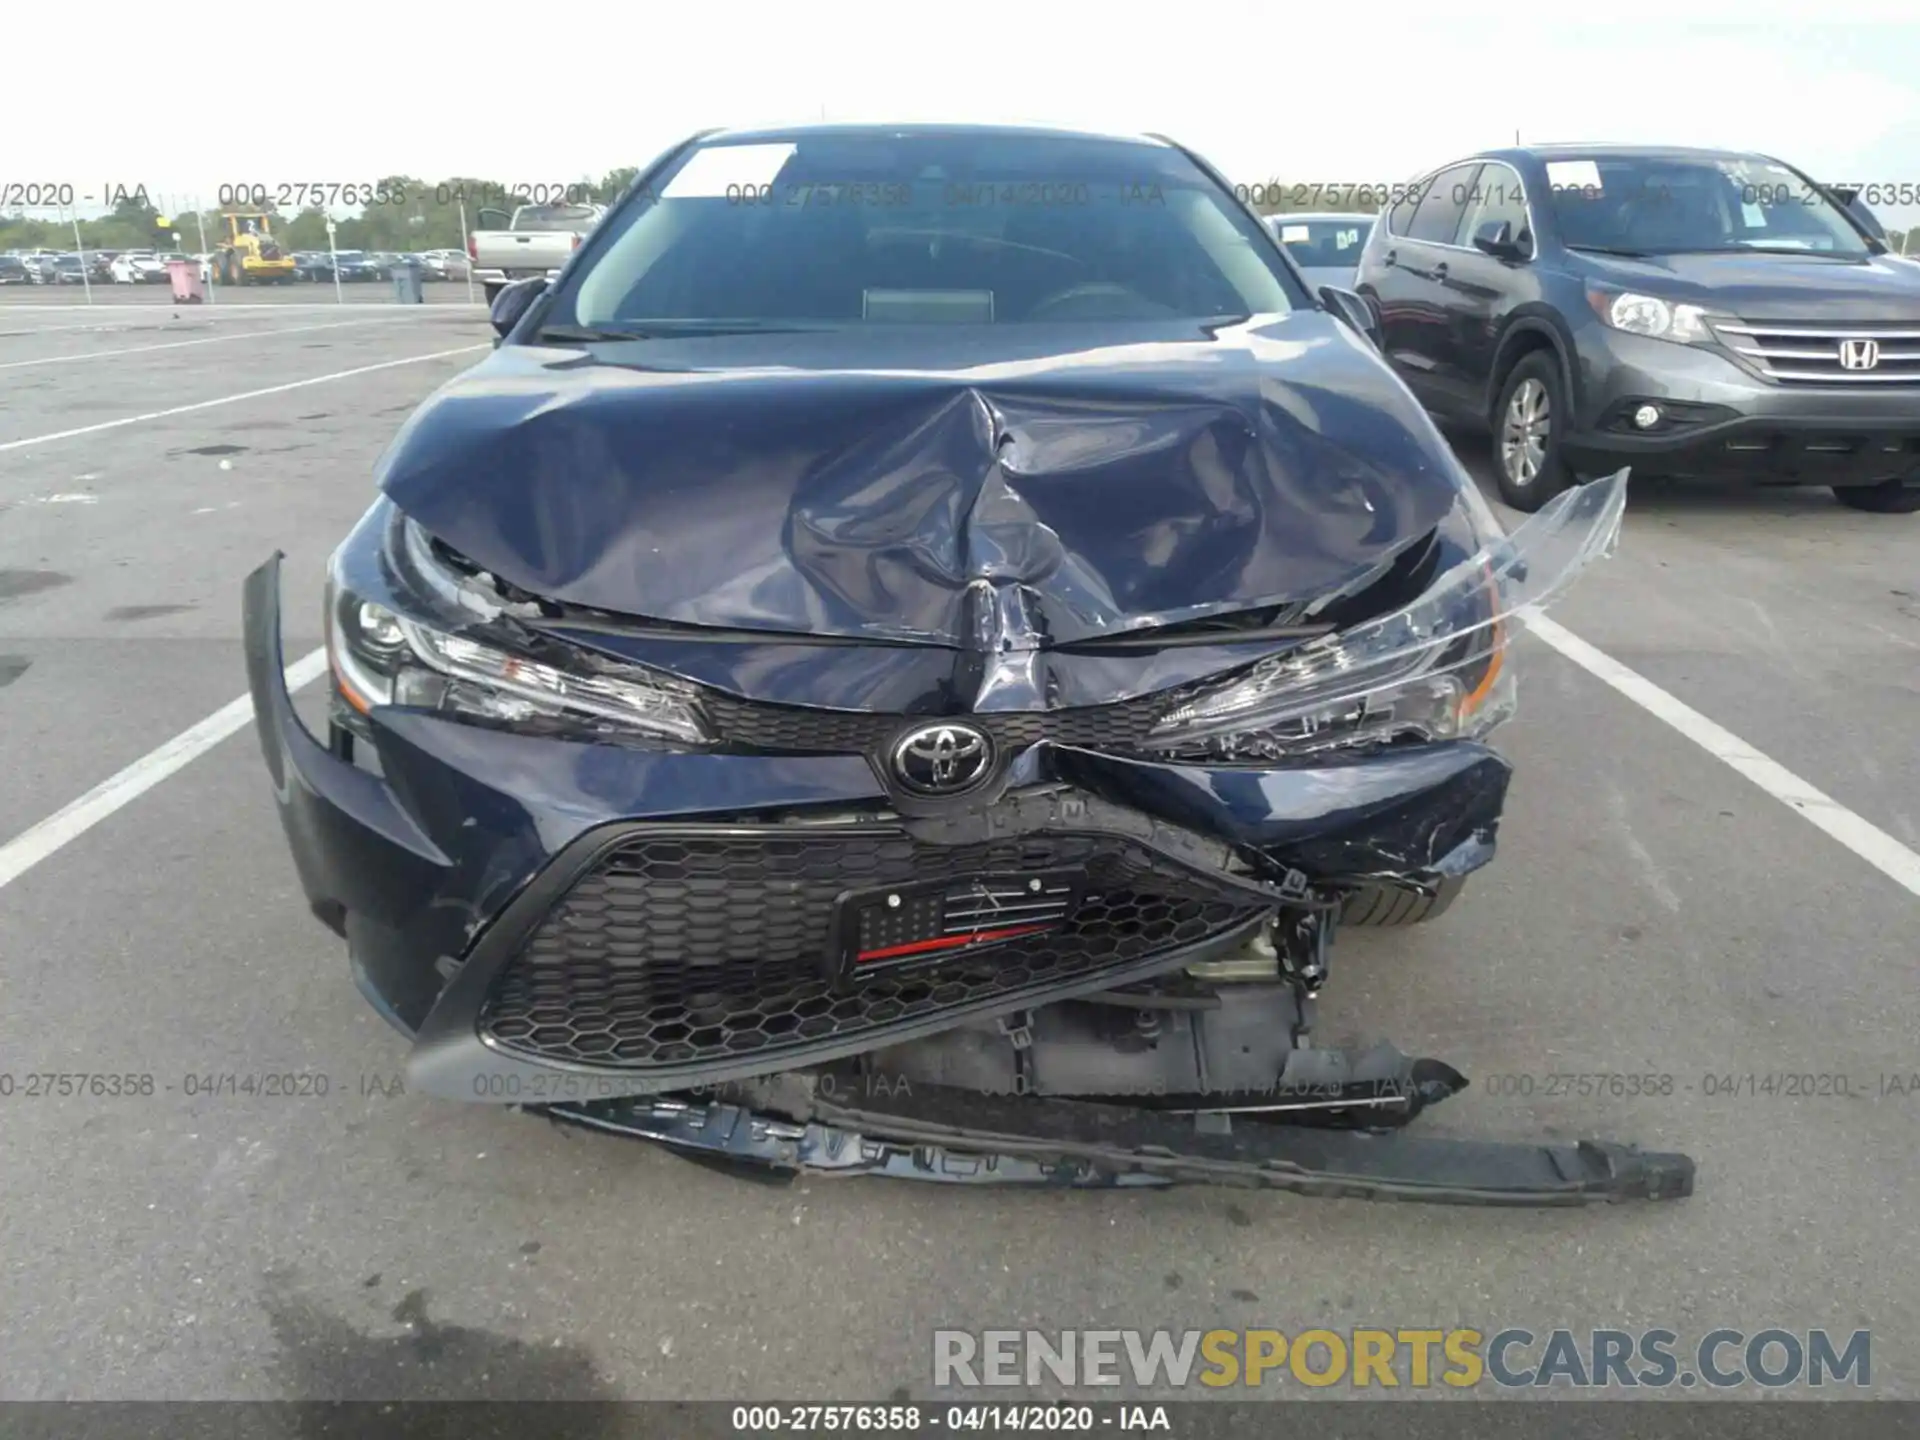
(794, 1125)
(458, 877)
(1733, 426)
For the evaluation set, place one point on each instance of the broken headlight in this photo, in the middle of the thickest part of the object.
(1434, 669)
(422, 652)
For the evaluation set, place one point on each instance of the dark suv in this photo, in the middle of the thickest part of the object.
(1689, 313)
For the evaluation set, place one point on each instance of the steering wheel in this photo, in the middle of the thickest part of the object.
(1087, 298)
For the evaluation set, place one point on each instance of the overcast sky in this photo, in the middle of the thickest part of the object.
(1336, 92)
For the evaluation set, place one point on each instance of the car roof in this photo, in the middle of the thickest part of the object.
(830, 128)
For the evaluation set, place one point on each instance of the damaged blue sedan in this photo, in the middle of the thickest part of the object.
(901, 662)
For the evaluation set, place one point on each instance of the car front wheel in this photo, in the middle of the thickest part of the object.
(1528, 425)
(1894, 497)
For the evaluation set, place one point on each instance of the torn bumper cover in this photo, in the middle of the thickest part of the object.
(1101, 970)
(810, 1124)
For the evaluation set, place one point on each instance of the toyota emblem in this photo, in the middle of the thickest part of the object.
(942, 759)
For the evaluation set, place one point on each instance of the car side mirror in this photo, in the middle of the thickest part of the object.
(513, 302)
(1355, 310)
(1495, 238)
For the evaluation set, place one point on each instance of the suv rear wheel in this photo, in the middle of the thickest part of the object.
(1894, 497)
(1528, 424)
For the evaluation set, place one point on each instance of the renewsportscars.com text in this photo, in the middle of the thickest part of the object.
(1368, 1358)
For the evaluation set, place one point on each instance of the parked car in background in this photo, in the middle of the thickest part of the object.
(1326, 246)
(538, 240)
(71, 270)
(1693, 313)
(40, 265)
(14, 271)
(312, 265)
(355, 266)
(137, 267)
(385, 263)
(447, 264)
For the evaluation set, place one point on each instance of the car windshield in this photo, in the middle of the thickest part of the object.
(867, 228)
(1659, 205)
(1324, 244)
(575, 219)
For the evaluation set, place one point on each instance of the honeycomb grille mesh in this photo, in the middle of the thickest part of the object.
(1122, 726)
(679, 949)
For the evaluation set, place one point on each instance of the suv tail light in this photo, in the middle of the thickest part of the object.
(576, 242)
(473, 249)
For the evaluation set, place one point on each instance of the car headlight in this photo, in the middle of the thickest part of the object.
(381, 657)
(1437, 668)
(1651, 316)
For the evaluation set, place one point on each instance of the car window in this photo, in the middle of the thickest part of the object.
(1667, 205)
(1400, 216)
(1444, 205)
(570, 218)
(1324, 244)
(1498, 197)
(930, 226)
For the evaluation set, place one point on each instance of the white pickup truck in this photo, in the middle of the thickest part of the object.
(536, 240)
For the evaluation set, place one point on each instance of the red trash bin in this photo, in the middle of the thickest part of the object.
(185, 275)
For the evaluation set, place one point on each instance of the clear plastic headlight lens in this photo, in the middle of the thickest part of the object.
(1435, 669)
(380, 658)
(1651, 316)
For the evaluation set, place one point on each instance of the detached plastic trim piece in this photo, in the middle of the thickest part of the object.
(788, 1127)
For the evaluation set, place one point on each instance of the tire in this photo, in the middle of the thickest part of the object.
(1384, 907)
(1894, 497)
(492, 292)
(1528, 423)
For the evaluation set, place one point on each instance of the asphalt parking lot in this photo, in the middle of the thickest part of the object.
(1653, 911)
(227, 297)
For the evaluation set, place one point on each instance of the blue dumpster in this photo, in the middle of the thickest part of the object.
(406, 283)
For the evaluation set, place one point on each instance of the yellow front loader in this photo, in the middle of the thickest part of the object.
(248, 253)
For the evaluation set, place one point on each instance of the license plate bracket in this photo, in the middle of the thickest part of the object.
(884, 930)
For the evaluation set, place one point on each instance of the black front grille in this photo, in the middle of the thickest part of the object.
(756, 726)
(681, 947)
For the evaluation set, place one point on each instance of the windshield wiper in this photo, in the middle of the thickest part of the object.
(583, 333)
(673, 329)
(1610, 250)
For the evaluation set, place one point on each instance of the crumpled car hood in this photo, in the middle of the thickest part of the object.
(930, 484)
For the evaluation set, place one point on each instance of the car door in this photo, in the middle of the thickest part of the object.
(1390, 289)
(1481, 290)
(1419, 257)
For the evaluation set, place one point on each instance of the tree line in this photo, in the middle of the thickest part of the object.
(401, 213)
(404, 213)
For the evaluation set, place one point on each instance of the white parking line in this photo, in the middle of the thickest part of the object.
(1861, 836)
(235, 399)
(59, 329)
(182, 344)
(29, 848)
